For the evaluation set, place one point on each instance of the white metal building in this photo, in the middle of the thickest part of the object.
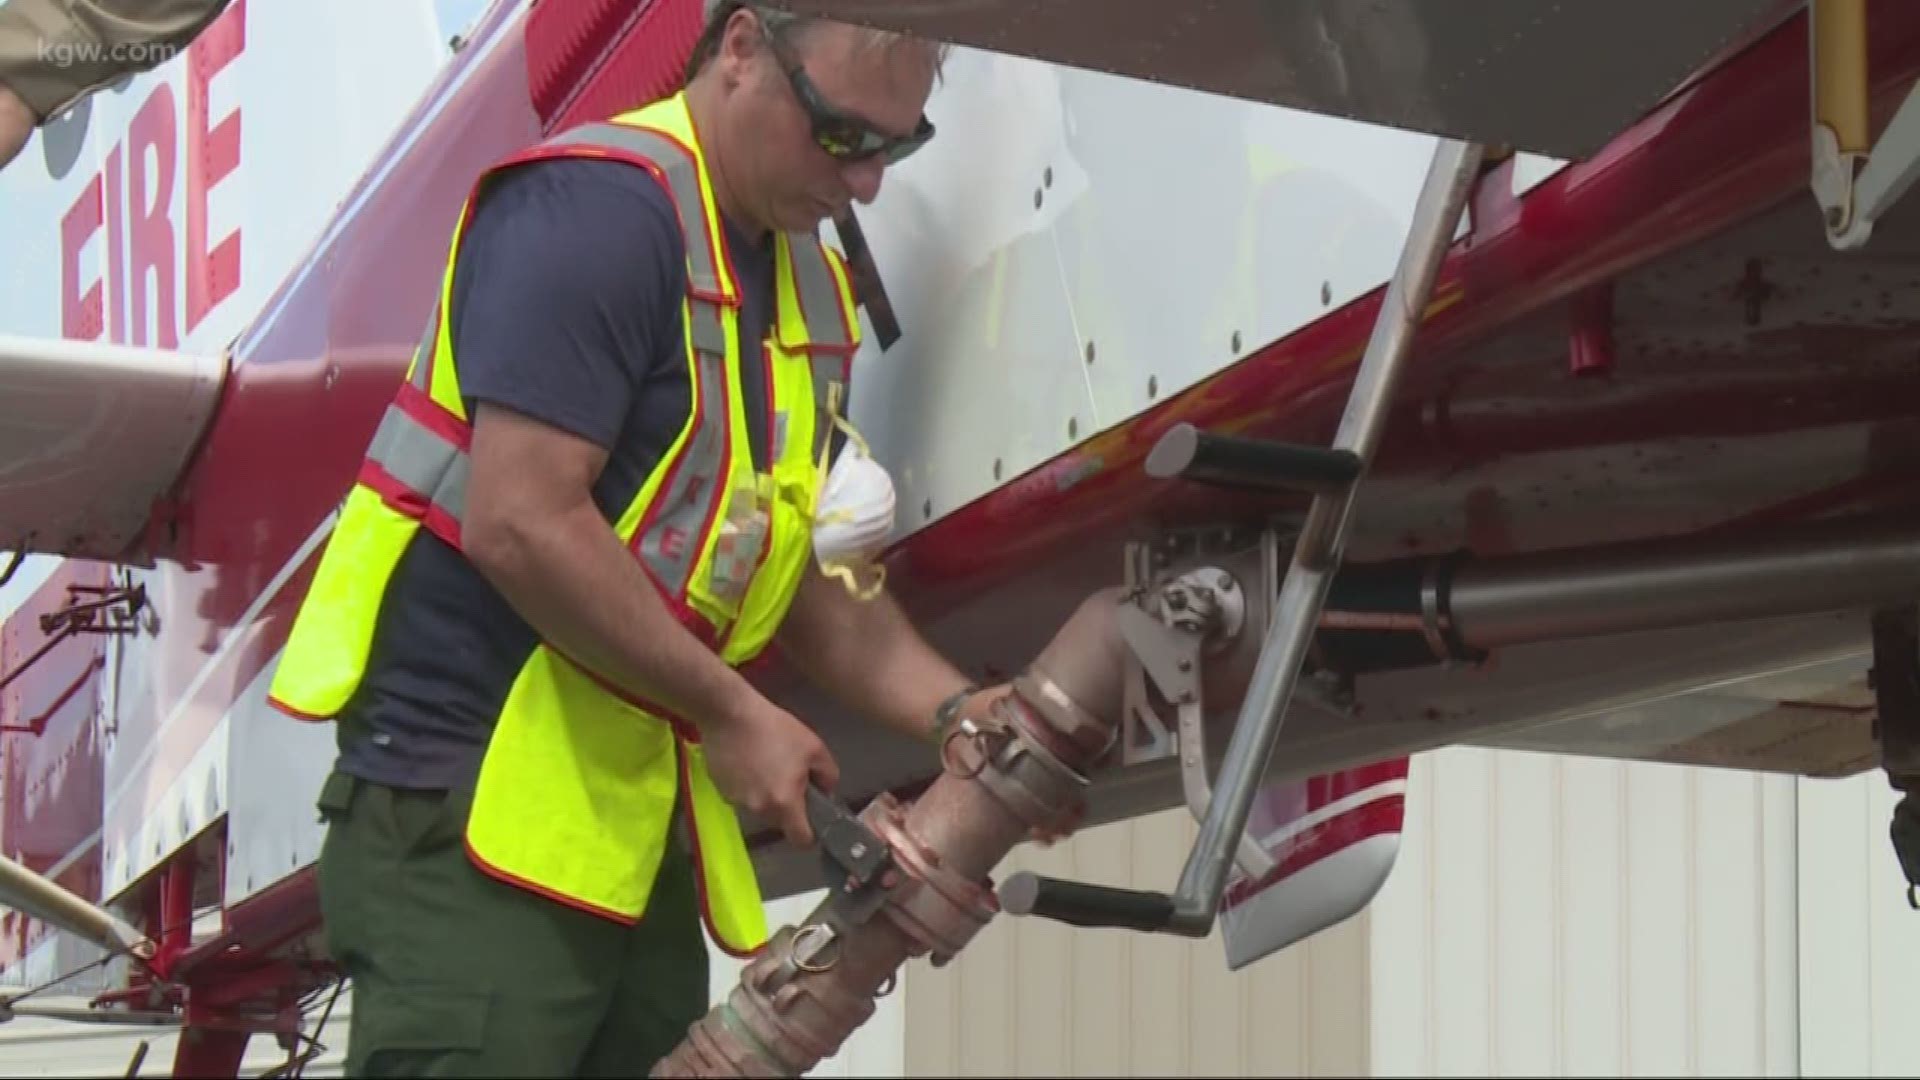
(1548, 915)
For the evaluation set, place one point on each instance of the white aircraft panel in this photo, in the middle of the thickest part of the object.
(987, 372)
(1054, 259)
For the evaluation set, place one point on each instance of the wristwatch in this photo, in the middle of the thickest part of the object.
(948, 714)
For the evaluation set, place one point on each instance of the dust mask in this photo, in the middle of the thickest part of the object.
(854, 519)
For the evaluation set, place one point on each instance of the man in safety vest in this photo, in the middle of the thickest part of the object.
(610, 478)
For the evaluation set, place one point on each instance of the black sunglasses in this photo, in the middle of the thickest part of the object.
(844, 137)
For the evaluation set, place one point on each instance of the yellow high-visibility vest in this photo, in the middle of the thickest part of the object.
(577, 789)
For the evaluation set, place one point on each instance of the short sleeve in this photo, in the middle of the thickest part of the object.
(566, 293)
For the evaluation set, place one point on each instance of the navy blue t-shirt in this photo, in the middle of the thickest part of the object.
(566, 307)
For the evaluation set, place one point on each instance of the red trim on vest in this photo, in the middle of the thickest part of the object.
(674, 720)
(839, 311)
(766, 381)
(725, 253)
(601, 150)
(420, 405)
(405, 501)
(678, 601)
(766, 549)
(297, 714)
(510, 878)
(722, 484)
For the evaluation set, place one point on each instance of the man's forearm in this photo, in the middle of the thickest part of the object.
(870, 657)
(573, 580)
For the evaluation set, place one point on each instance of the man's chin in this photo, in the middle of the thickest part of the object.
(810, 217)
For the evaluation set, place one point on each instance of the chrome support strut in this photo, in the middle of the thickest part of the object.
(1191, 909)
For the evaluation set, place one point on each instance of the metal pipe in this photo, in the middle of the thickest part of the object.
(1553, 595)
(41, 897)
(1316, 557)
(1026, 770)
(1408, 613)
(1838, 43)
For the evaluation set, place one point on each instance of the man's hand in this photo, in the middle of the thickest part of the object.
(763, 760)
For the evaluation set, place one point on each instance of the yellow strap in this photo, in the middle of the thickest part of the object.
(848, 576)
(833, 414)
(846, 573)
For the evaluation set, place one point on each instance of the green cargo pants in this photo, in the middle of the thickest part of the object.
(457, 974)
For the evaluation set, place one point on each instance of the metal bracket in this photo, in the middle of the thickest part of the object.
(1855, 181)
(1171, 656)
(100, 616)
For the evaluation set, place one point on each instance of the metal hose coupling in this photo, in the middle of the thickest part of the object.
(912, 880)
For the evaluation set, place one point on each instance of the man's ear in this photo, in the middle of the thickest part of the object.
(740, 42)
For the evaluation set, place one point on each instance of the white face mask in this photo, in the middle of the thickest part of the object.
(854, 520)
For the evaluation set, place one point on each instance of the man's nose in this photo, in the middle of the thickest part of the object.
(863, 178)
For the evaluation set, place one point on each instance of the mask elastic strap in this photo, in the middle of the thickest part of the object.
(834, 391)
(847, 574)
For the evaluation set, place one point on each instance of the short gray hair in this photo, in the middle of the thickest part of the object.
(780, 22)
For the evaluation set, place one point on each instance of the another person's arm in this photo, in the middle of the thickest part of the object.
(55, 52)
(565, 289)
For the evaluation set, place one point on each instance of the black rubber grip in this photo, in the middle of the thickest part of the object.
(1081, 903)
(1186, 452)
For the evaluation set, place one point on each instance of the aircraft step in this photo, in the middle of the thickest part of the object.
(1186, 452)
(1332, 474)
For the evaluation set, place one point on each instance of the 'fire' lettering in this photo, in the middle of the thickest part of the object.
(139, 231)
(80, 312)
(151, 234)
(212, 155)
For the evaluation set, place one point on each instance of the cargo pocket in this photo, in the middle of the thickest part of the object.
(421, 1030)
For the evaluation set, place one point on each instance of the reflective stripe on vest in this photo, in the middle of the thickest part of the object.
(671, 535)
(813, 281)
(422, 462)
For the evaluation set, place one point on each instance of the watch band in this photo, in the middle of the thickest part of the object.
(948, 712)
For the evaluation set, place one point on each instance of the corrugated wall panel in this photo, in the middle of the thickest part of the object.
(1034, 998)
(1565, 916)
(1858, 937)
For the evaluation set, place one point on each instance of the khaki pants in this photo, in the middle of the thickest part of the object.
(457, 974)
(53, 52)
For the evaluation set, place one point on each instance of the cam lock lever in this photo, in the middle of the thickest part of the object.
(856, 861)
